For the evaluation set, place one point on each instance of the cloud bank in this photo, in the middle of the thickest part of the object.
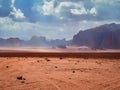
(34, 10)
(24, 18)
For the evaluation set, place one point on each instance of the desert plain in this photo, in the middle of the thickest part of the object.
(59, 71)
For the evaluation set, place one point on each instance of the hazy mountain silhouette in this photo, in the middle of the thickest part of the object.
(103, 37)
(35, 41)
(11, 42)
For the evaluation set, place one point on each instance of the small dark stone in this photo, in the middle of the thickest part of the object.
(19, 77)
(61, 58)
(73, 71)
(75, 63)
(56, 67)
(47, 59)
(7, 66)
(22, 81)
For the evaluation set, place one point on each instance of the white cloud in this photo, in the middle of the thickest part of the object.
(48, 7)
(7, 23)
(78, 11)
(60, 11)
(93, 11)
(16, 13)
(25, 30)
(82, 11)
(12, 2)
(69, 5)
(5, 20)
(65, 10)
(63, 5)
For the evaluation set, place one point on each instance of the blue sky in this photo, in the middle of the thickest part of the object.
(54, 18)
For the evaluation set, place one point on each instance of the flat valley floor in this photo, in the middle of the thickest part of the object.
(59, 73)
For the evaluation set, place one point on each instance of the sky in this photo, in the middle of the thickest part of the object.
(54, 19)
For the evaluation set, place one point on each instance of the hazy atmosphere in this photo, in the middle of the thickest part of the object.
(54, 18)
(59, 44)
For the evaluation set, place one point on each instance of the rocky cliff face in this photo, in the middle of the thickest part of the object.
(103, 37)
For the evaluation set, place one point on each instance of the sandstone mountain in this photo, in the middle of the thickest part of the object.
(103, 37)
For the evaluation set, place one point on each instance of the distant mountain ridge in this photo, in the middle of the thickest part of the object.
(11, 42)
(35, 41)
(106, 36)
(103, 37)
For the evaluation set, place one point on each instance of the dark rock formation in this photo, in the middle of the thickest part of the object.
(103, 37)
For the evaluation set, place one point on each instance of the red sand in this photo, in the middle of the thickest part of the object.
(63, 71)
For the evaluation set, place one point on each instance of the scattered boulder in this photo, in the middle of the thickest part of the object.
(61, 58)
(38, 61)
(7, 66)
(19, 78)
(56, 67)
(22, 81)
(73, 71)
(47, 59)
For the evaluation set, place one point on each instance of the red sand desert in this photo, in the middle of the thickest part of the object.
(59, 73)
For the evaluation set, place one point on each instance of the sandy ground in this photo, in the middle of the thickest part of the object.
(45, 73)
